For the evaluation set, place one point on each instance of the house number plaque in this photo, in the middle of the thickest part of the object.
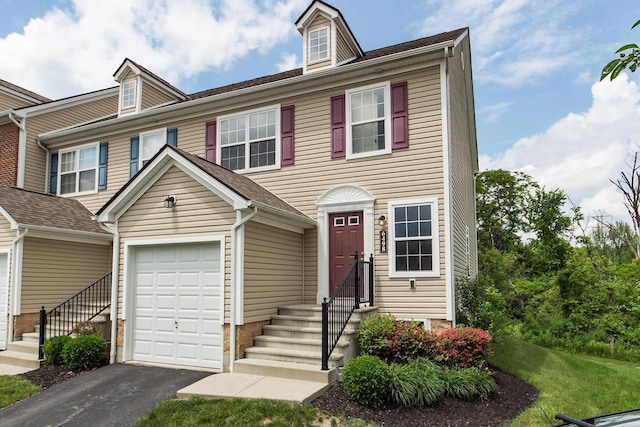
(383, 241)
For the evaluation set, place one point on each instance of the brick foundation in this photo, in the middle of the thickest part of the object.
(244, 336)
(9, 145)
(25, 323)
(438, 325)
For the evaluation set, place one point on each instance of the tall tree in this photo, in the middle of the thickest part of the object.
(629, 58)
(629, 185)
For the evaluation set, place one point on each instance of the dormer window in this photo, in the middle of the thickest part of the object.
(129, 94)
(319, 44)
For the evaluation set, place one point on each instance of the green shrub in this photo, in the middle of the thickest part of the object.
(394, 340)
(417, 383)
(366, 380)
(52, 349)
(84, 352)
(468, 383)
(463, 347)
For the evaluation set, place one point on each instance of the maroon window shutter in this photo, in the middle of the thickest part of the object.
(210, 142)
(286, 135)
(399, 116)
(338, 130)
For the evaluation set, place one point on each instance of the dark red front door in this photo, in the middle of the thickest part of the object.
(345, 239)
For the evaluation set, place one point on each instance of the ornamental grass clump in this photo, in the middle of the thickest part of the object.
(417, 383)
(468, 383)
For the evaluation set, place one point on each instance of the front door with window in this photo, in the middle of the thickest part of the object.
(345, 239)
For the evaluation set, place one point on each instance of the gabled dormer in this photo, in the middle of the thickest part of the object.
(141, 90)
(327, 39)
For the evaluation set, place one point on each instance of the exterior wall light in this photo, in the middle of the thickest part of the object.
(382, 221)
(170, 202)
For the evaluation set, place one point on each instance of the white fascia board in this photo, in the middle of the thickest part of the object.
(122, 71)
(297, 220)
(312, 13)
(72, 234)
(327, 78)
(20, 95)
(4, 213)
(68, 102)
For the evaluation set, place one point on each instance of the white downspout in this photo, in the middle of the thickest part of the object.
(115, 272)
(46, 164)
(235, 275)
(15, 266)
(22, 148)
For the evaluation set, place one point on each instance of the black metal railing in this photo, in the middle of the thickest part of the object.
(81, 307)
(347, 297)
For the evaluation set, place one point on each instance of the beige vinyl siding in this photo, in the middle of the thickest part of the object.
(310, 266)
(36, 175)
(343, 52)
(320, 22)
(415, 172)
(11, 102)
(152, 96)
(272, 270)
(198, 212)
(462, 169)
(53, 270)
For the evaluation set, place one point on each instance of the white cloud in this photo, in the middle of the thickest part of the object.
(514, 41)
(74, 50)
(288, 61)
(492, 113)
(581, 152)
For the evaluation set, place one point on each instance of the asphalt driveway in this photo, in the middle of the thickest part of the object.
(115, 395)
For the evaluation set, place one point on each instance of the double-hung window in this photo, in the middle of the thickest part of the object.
(250, 141)
(150, 143)
(319, 44)
(129, 94)
(414, 238)
(78, 170)
(368, 121)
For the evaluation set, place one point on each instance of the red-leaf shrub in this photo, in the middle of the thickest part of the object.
(463, 347)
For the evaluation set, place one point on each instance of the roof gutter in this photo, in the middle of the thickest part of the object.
(302, 219)
(76, 233)
(22, 146)
(237, 277)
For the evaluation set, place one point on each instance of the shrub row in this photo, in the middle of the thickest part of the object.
(371, 382)
(400, 341)
(78, 354)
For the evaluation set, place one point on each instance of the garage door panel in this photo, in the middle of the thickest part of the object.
(177, 318)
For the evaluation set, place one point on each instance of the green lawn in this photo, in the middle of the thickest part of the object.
(575, 385)
(237, 412)
(14, 388)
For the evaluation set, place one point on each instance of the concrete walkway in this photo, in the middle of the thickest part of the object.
(13, 370)
(253, 387)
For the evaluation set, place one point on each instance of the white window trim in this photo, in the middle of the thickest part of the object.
(149, 132)
(435, 229)
(327, 57)
(219, 145)
(387, 120)
(77, 171)
(135, 95)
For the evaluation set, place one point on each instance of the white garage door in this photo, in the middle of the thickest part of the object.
(4, 294)
(177, 305)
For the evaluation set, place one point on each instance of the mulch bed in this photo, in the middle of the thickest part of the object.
(49, 375)
(512, 397)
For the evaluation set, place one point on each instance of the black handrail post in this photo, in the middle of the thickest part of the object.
(371, 280)
(43, 325)
(356, 292)
(325, 335)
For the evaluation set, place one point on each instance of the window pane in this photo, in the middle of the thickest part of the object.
(412, 213)
(413, 247)
(425, 212)
(401, 230)
(68, 183)
(87, 158)
(401, 263)
(262, 153)
(67, 162)
(400, 214)
(425, 247)
(414, 263)
(233, 157)
(152, 143)
(425, 228)
(401, 248)
(426, 263)
(412, 229)
(88, 180)
(367, 137)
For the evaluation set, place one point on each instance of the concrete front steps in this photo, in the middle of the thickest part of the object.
(291, 347)
(22, 353)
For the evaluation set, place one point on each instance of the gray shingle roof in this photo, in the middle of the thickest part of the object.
(43, 210)
(23, 91)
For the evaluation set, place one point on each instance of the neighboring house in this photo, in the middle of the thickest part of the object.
(231, 202)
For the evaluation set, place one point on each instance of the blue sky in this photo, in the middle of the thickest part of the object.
(536, 65)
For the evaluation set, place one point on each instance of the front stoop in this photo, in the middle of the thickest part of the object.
(21, 353)
(291, 347)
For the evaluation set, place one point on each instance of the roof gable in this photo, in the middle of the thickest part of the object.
(21, 92)
(128, 66)
(238, 190)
